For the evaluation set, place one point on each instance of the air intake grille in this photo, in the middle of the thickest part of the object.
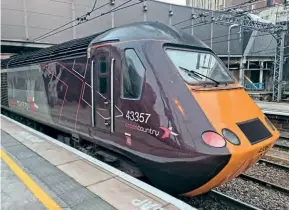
(4, 90)
(254, 130)
(72, 48)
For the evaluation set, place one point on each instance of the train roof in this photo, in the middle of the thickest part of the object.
(149, 30)
(78, 47)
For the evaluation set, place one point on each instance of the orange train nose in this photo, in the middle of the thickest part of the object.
(239, 162)
(228, 109)
(244, 160)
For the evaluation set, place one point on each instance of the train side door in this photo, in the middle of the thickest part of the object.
(102, 75)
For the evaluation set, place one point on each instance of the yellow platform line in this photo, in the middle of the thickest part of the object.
(42, 196)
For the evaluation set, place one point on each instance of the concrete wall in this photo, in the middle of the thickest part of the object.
(280, 122)
(263, 44)
(276, 14)
(28, 19)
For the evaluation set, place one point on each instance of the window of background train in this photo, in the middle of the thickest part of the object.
(200, 62)
(132, 76)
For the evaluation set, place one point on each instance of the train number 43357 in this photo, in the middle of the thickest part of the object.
(137, 117)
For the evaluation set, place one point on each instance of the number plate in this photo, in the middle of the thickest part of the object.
(137, 116)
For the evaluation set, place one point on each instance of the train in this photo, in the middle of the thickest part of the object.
(146, 93)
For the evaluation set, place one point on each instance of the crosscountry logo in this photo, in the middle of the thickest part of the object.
(167, 133)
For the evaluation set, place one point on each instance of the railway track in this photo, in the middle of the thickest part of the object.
(282, 136)
(233, 201)
(254, 194)
(278, 154)
(282, 146)
(265, 183)
(277, 165)
(216, 200)
(260, 187)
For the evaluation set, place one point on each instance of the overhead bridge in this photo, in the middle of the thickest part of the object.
(12, 47)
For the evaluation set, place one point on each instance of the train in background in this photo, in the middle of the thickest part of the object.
(148, 94)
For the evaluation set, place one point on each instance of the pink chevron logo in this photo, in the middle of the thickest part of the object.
(168, 132)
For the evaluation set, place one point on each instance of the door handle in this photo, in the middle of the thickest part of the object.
(112, 95)
(92, 94)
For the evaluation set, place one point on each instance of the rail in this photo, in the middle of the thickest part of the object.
(265, 183)
(277, 165)
(233, 201)
(281, 146)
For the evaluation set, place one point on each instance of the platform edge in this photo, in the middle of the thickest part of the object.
(156, 192)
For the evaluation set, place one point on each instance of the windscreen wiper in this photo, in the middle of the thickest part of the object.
(197, 74)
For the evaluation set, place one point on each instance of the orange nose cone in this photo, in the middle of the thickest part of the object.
(225, 109)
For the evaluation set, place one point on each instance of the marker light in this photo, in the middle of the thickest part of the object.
(230, 136)
(213, 139)
(269, 123)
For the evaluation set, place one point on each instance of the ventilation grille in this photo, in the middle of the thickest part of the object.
(4, 90)
(254, 130)
(76, 47)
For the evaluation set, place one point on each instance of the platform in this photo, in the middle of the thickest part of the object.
(274, 108)
(39, 172)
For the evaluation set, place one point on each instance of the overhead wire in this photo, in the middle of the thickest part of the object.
(263, 49)
(212, 21)
(226, 10)
(93, 6)
(209, 22)
(237, 15)
(197, 24)
(105, 13)
(232, 39)
(76, 19)
(270, 41)
(216, 37)
(260, 35)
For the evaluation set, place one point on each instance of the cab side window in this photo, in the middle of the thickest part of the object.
(132, 76)
(103, 77)
(102, 65)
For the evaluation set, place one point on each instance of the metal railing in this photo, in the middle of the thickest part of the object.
(254, 86)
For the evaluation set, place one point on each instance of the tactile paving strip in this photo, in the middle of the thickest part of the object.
(64, 190)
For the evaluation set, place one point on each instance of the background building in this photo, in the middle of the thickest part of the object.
(205, 4)
(32, 24)
(222, 4)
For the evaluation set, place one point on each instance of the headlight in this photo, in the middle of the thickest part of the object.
(230, 136)
(213, 139)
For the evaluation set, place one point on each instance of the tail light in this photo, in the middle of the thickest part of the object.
(231, 136)
(213, 139)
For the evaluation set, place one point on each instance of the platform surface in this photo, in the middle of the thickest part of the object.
(67, 180)
(14, 194)
(274, 108)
